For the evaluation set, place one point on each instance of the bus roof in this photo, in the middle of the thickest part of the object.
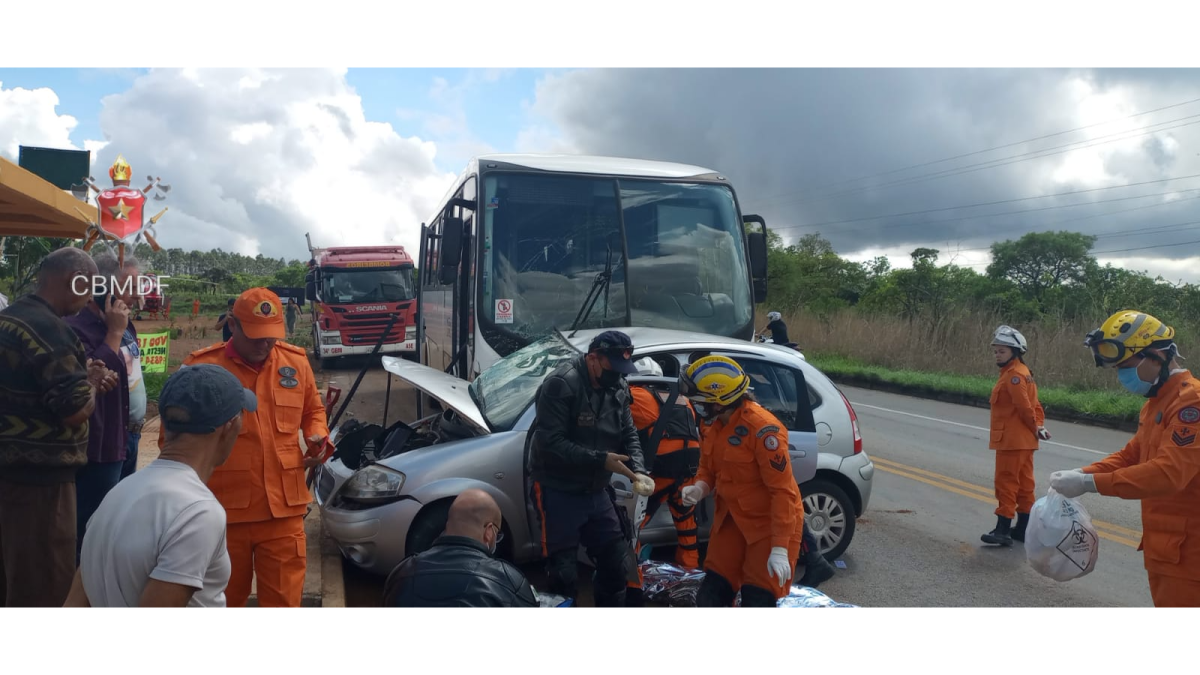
(597, 165)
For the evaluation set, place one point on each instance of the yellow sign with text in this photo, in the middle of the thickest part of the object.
(154, 348)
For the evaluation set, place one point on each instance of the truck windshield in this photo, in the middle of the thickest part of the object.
(374, 284)
(546, 238)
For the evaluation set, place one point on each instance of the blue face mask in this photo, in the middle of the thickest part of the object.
(1130, 380)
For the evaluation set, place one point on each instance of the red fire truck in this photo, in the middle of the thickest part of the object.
(353, 292)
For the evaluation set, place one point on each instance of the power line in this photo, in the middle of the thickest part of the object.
(1012, 159)
(980, 152)
(1008, 213)
(993, 203)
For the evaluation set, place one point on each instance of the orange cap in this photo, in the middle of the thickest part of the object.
(258, 311)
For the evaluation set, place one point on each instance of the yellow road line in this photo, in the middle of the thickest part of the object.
(904, 471)
(990, 493)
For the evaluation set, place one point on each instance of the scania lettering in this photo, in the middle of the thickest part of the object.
(523, 245)
(353, 292)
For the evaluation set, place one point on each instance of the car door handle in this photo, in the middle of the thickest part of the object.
(623, 494)
(793, 450)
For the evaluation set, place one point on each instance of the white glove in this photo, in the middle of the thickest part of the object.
(692, 494)
(643, 485)
(1043, 434)
(778, 565)
(1073, 483)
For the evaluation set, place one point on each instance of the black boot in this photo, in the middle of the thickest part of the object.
(1018, 532)
(1000, 535)
(817, 570)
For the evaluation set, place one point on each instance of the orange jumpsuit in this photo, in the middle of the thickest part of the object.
(262, 484)
(1159, 466)
(1016, 416)
(757, 501)
(645, 413)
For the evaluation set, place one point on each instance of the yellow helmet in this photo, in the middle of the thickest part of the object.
(1125, 334)
(715, 379)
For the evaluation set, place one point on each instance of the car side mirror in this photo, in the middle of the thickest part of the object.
(451, 249)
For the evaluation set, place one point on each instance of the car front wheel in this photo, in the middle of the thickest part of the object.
(829, 515)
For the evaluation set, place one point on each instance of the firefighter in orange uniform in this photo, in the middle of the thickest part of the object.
(262, 484)
(744, 463)
(1017, 424)
(673, 463)
(1160, 464)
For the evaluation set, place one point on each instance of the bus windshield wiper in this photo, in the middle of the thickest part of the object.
(600, 285)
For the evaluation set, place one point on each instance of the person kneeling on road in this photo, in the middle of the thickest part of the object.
(1160, 464)
(460, 569)
(744, 463)
(582, 434)
(1017, 419)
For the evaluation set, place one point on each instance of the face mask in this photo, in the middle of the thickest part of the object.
(1130, 379)
(609, 379)
(706, 411)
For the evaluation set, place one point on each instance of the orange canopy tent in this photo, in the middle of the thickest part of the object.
(33, 207)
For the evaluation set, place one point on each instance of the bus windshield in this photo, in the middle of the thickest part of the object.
(375, 284)
(546, 238)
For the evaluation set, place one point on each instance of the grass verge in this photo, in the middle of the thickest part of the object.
(154, 385)
(1089, 406)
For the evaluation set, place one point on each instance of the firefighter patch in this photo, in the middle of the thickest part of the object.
(289, 382)
(1189, 415)
(1016, 380)
(771, 429)
(771, 443)
(741, 431)
(1158, 417)
(779, 463)
(1184, 436)
(734, 440)
(287, 371)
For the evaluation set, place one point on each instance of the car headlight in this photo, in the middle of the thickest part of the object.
(372, 485)
(335, 339)
(410, 332)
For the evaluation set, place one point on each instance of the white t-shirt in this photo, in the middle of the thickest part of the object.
(159, 523)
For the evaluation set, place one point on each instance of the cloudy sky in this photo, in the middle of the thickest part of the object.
(878, 161)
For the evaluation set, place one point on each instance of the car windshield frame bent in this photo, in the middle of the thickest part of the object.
(505, 391)
(673, 251)
(349, 275)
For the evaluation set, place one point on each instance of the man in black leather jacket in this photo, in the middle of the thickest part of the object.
(583, 433)
(459, 570)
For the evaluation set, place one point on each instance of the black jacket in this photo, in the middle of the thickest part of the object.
(778, 332)
(457, 572)
(575, 429)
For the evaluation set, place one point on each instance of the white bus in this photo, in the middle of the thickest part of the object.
(522, 245)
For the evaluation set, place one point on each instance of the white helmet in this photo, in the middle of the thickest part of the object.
(1007, 336)
(774, 316)
(647, 366)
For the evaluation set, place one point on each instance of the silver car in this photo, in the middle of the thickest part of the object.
(394, 503)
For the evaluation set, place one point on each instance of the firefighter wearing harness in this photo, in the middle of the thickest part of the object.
(582, 434)
(744, 463)
(1160, 464)
(670, 441)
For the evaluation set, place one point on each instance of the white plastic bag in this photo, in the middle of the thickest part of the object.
(1061, 542)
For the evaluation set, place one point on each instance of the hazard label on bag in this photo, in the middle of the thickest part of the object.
(504, 311)
(1078, 545)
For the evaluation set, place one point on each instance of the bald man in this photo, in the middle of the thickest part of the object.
(48, 390)
(460, 569)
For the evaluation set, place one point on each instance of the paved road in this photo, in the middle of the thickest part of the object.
(918, 544)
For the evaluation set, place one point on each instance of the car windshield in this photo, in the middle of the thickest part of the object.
(504, 391)
(367, 285)
(681, 263)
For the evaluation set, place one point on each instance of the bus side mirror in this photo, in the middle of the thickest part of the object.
(756, 246)
(451, 249)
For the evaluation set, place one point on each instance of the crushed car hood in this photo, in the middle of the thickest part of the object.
(449, 390)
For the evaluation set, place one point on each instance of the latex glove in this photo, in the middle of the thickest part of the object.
(1071, 484)
(643, 485)
(778, 565)
(692, 494)
(1043, 434)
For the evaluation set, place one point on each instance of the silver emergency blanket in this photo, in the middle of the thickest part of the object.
(677, 586)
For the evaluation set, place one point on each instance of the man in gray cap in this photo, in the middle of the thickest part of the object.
(158, 538)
